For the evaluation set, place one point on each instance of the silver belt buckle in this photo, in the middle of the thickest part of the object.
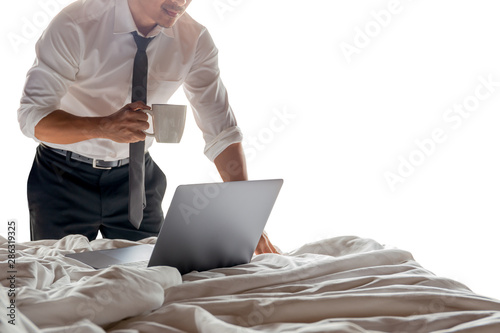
(95, 166)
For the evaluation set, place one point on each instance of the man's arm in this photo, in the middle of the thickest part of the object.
(125, 126)
(231, 165)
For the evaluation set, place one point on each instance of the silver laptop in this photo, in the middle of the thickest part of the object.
(207, 226)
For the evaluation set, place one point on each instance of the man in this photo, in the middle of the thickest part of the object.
(77, 104)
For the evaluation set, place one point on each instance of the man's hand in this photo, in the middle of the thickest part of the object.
(124, 126)
(232, 167)
(265, 245)
(127, 124)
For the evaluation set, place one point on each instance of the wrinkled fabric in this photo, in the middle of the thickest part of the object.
(344, 284)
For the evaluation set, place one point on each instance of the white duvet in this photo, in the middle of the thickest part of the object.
(344, 284)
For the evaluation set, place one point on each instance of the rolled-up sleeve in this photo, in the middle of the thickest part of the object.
(54, 70)
(209, 101)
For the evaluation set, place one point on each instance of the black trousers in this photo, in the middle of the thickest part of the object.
(70, 197)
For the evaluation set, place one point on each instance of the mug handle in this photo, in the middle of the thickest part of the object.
(152, 115)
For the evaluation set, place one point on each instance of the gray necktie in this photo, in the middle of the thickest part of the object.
(137, 195)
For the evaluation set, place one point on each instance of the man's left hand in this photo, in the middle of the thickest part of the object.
(232, 167)
(265, 245)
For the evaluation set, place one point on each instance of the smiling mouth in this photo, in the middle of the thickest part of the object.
(171, 13)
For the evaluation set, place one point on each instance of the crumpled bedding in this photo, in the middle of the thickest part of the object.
(343, 284)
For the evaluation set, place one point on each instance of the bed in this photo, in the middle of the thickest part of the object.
(342, 284)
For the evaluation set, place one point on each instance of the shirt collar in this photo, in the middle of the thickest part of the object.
(124, 22)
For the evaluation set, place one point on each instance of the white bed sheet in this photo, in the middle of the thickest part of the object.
(344, 284)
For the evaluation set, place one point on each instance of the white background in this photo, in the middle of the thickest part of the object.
(347, 122)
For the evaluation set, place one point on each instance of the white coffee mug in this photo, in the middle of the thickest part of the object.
(168, 122)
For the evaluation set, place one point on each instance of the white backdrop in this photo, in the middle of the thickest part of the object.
(381, 117)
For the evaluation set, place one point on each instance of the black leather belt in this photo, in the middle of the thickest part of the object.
(98, 164)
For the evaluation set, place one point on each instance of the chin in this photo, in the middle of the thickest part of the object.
(167, 23)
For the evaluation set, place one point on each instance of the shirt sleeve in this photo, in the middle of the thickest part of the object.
(209, 101)
(54, 70)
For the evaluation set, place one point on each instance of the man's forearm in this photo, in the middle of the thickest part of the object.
(231, 163)
(124, 126)
(64, 128)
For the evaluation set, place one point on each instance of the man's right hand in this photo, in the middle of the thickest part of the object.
(126, 125)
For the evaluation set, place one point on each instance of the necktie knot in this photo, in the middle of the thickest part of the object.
(141, 42)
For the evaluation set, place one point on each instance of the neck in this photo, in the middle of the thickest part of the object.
(143, 22)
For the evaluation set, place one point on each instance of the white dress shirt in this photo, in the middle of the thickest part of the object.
(84, 66)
